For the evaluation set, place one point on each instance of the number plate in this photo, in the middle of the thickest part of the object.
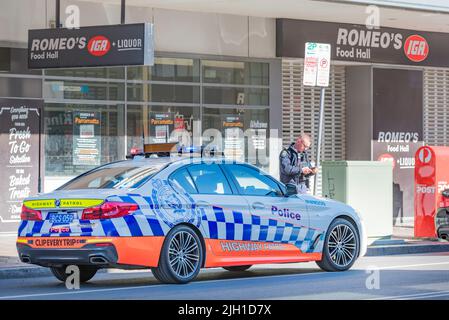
(54, 217)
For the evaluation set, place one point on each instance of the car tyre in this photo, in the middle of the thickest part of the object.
(341, 246)
(238, 268)
(86, 273)
(181, 256)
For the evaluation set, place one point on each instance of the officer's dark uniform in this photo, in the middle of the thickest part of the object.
(291, 164)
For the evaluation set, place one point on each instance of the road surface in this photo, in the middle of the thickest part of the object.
(419, 276)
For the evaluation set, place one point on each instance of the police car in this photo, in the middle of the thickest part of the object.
(178, 216)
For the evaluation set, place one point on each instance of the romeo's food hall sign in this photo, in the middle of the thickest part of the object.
(114, 45)
(352, 42)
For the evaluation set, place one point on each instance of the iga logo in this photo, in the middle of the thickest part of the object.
(98, 46)
(416, 48)
(386, 157)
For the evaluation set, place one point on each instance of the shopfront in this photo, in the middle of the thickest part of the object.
(137, 105)
(215, 78)
(386, 96)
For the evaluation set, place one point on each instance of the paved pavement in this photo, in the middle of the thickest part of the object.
(8, 252)
(418, 276)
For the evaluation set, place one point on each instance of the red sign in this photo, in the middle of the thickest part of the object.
(98, 46)
(416, 48)
(431, 179)
(387, 157)
(425, 155)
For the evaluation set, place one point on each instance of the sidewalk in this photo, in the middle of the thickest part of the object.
(402, 242)
(10, 265)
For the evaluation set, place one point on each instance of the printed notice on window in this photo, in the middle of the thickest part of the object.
(86, 138)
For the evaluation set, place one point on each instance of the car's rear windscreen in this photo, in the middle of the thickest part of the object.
(118, 177)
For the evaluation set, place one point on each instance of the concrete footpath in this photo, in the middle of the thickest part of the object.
(401, 243)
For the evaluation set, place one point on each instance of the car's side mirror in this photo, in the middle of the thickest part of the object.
(291, 189)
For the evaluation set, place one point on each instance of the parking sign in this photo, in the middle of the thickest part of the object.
(317, 64)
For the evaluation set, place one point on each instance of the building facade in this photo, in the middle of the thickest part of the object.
(239, 66)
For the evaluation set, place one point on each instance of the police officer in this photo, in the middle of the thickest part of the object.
(295, 166)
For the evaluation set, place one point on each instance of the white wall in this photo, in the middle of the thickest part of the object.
(175, 31)
(211, 33)
(16, 17)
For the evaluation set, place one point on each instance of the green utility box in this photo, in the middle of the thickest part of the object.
(367, 186)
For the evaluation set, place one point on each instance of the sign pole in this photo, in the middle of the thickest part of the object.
(122, 11)
(317, 58)
(320, 137)
(58, 14)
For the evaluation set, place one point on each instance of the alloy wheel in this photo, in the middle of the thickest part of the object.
(184, 254)
(342, 245)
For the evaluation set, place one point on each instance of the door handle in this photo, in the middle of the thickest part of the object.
(258, 205)
(202, 204)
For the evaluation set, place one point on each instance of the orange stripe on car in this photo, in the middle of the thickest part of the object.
(231, 252)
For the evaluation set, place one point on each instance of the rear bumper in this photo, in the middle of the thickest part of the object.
(88, 255)
(118, 252)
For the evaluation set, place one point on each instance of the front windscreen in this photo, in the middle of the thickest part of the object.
(119, 177)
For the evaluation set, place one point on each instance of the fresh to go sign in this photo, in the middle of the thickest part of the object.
(317, 60)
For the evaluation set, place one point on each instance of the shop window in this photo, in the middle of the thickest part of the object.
(244, 133)
(93, 90)
(104, 73)
(5, 59)
(236, 96)
(157, 124)
(20, 87)
(173, 93)
(163, 93)
(81, 137)
(167, 69)
(235, 72)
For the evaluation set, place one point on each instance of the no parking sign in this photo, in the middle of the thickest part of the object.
(317, 60)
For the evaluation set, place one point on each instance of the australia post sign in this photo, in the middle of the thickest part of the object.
(351, 42)
(126, 44)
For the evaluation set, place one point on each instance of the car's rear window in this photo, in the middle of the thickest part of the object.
(119, 177)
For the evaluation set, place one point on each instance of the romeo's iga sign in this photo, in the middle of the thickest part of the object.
(351, 42)
(127, 44)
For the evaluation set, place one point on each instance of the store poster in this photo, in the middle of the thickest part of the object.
(234, 146)
(258, 141)
(86, 138)
(161, 126)
(20, 129)
(398, 132)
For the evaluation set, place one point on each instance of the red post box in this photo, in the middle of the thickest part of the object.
(431, 179)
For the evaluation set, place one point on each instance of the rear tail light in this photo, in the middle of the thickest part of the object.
(104, 244)
(30, 214)
(135, 151)
(109, 210)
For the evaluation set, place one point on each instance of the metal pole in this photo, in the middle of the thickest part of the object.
(122, 11)
(58, 13)
(320, 137)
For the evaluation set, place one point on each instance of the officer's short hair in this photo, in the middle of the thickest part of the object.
(304, 136)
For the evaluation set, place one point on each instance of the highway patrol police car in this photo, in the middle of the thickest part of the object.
(178, 216)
